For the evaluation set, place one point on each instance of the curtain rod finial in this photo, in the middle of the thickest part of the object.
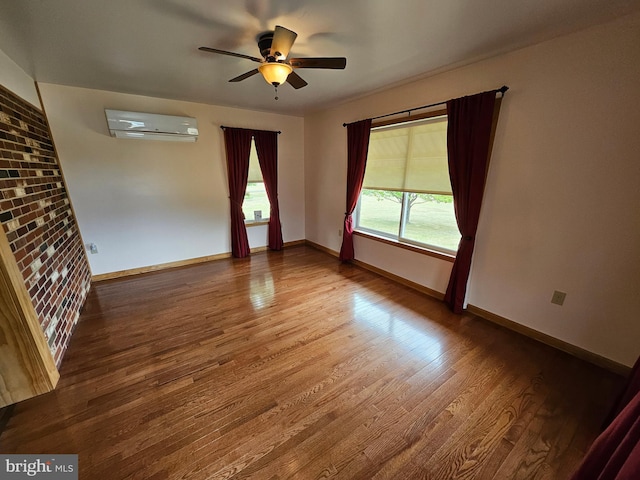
(503, 89)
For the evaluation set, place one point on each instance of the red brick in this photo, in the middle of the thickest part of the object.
(47, 296)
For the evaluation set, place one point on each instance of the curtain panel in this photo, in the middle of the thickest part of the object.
(468, 144)
(267, 148)
(238, 147)
(615, 454)
(357, 146)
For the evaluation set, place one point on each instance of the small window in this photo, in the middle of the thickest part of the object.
(256, 207)
(407, 193)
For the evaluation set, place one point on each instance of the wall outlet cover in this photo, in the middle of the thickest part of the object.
(558, 297)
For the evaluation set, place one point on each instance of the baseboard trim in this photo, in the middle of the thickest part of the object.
(322, 248)
(402, 281)
(295, 243)
(180, 263)
(551, 341)
(383, 273)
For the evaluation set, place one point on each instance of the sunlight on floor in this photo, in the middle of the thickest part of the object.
(417, 341)
(261, 291)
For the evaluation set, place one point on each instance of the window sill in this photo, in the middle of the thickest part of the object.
(253, 223)
(406, 246)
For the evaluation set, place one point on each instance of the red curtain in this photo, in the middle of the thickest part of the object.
(615, 454)
(238, 147)
(357, 146)
(631, 390)
(267, 148)
(468, 139)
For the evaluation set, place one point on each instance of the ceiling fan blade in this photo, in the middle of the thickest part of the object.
(239, 78)
(296, 81)
(282, 41)
(231, 54)
(337, 63)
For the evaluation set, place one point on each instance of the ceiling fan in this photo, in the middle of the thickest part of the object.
(274, 66)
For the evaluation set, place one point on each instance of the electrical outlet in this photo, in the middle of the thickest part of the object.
(339, 232)
(92, 247)
(558, 297)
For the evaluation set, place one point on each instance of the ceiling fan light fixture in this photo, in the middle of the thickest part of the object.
(275, 73)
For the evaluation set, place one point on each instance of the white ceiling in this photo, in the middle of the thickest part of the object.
(150, 47)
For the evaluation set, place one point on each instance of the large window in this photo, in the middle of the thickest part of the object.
(256, 205)
(406, 194)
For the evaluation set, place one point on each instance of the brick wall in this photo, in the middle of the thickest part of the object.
(38, 221)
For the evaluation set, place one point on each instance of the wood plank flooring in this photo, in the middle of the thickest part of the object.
(291, 365)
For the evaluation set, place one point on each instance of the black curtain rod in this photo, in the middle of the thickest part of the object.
(502, 90)
(253, 129)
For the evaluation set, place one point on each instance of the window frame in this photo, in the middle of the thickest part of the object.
(399, 239)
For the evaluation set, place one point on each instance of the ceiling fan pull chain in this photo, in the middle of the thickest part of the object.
(276, 86)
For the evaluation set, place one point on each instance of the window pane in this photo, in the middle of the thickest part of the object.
(255, 199)
(380, 211)
(430, 219)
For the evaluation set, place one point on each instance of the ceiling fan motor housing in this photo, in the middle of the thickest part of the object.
(265, 39)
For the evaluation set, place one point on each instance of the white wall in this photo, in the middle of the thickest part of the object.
(17, 80)
(149, 202)
(561, 209)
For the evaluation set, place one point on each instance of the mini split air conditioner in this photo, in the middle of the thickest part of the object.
(151, 126)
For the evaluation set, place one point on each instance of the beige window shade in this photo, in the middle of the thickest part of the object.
(255, 174)
(409, 157)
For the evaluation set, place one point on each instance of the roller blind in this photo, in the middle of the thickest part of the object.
(409, 157)
(255, 174)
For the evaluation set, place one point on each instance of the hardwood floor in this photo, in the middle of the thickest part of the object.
(291, 365)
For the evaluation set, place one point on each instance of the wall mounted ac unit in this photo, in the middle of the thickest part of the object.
(151, 126)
